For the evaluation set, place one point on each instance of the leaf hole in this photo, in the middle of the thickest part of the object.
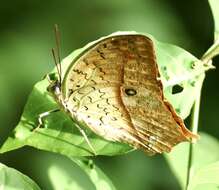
(177, 89)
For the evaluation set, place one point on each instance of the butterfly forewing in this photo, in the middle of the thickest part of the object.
(114, 89)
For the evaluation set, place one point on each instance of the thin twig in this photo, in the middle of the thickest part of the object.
(194, 129)
(212, 52)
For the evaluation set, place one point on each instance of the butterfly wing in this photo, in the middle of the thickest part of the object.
(97, 92)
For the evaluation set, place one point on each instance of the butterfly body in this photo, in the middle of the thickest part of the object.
(114, 89)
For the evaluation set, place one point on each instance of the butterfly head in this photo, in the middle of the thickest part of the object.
(55, 85)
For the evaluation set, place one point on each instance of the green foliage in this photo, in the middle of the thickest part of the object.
(177, 67)
(61, 180)
(11, 179)
(60, 135)
(205, 155)
(215, 11)
(214, 49)
(98, 178)
(197, 164)
(207, 176)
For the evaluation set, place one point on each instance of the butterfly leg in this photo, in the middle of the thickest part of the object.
(42, 116)
(86, 139)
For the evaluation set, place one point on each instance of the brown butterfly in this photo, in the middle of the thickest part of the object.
(113, 88)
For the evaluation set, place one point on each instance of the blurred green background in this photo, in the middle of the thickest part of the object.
(26, 38)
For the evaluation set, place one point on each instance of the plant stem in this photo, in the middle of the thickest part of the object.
(194, 129)
(195, 114)
(211, 53)
(206, 59)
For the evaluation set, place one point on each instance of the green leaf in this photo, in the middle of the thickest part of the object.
(205, 153)
(206, 175)
(11, 179)
(99, 179)
(177, 67)
(59, 179)
(214, 4)
(91, 177)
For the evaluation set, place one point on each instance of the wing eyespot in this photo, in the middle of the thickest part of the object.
(130, 92)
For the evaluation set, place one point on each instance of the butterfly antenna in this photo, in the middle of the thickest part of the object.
(58, 60)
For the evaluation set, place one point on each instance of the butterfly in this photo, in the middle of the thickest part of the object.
(113, 88)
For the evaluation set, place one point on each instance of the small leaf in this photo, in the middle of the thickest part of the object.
(205, 153)
(60, 135)
(11, 179)
(214, 4)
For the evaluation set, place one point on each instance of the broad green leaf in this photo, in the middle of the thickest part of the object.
(214, 4)
(60, 135)
(60, 179)
(99, 179)
(206, 175)
(205, 153)
(11, 179)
